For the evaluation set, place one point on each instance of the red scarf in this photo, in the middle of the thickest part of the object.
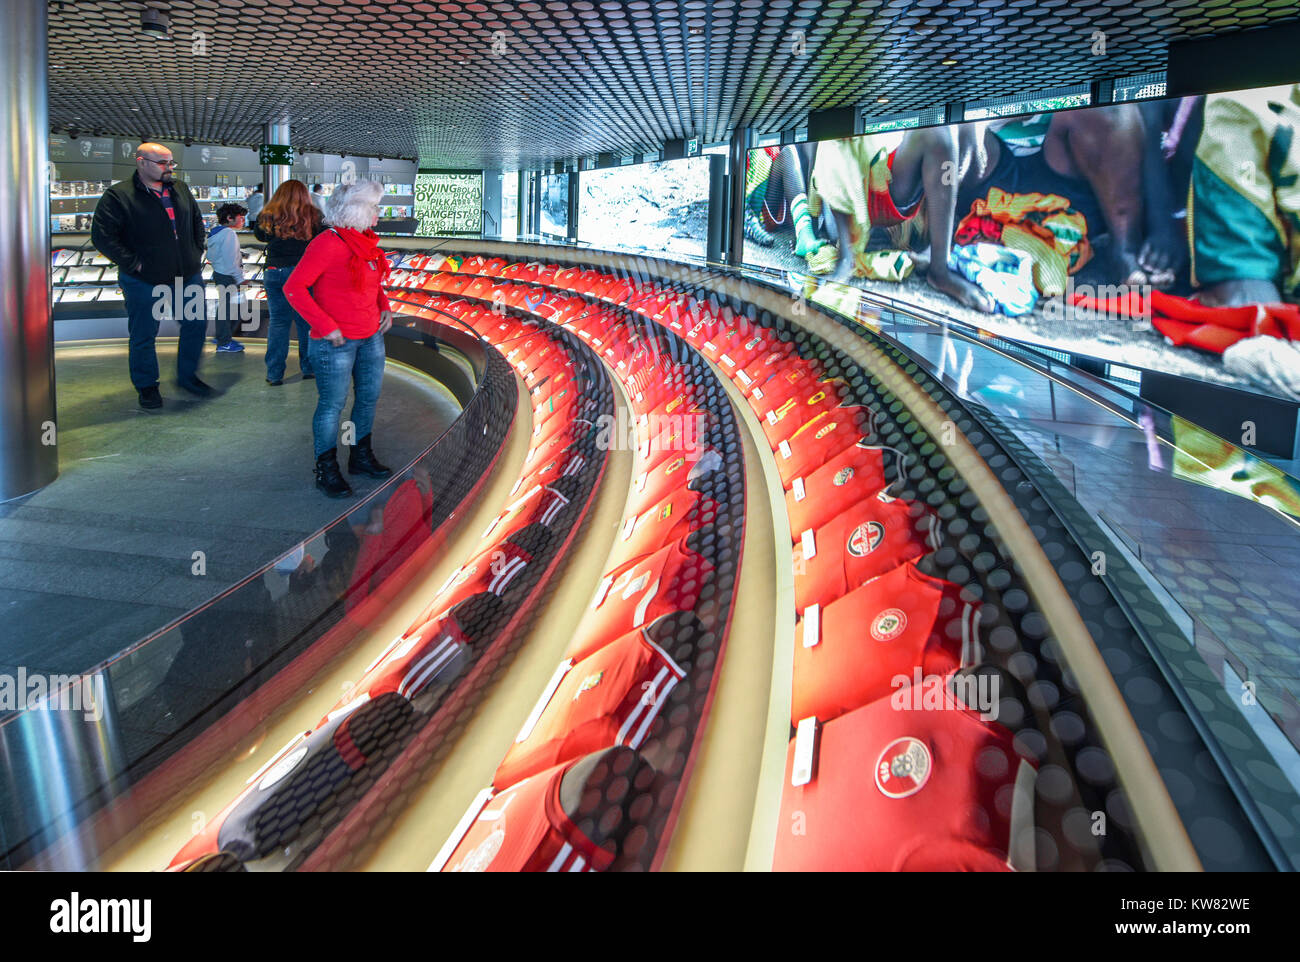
(366, 254)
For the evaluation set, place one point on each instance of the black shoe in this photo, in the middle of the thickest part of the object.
(329, 478)
(195, 386)
(309, 377)
(150, 398)
(362, 460)
(276, 383)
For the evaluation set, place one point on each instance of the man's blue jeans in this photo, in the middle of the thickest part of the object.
(361, 362)
(282, 321)
(146, 305)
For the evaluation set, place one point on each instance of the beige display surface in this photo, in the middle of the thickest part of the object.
(746, 731)
(153, 844)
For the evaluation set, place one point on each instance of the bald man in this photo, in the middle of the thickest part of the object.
(151, 228)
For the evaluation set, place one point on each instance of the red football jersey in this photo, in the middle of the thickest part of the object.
(540, 505)
(492, 570)
(855, 649)
(412, 662)
(762, 367)
(784, 419)
(866, 540)
(521, 272)
(639, 591)
(561, 459)
(680, 514)
(525, 829)
(473, 264)
(818, 439)
(904, 790)
(673, 473)
(609, 698)
(794, 376)
(855, 474)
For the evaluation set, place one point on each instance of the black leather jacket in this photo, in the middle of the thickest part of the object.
(132, 229)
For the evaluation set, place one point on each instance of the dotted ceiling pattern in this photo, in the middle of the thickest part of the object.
(516, 85)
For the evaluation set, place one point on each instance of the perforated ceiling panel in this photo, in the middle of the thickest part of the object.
(516, 85)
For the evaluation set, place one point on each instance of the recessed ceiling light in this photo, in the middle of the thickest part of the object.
(948, 62)
(882, 100)
(135, 108)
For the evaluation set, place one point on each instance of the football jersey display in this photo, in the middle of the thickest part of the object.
(891, 790)
(855, 474)
(784, 419)
(677, 471)
(680, 514)
(873, 536)
(639, 591)
(793, 377)
(763, 366)
(436, 652)
(541, 504)
(609, 698)
(524, 829)
(820, 438)
(855, 649)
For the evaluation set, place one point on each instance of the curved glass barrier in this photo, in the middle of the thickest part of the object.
(1197, 536)
(144, 721)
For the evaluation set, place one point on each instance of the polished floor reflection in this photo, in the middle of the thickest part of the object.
(106, 554)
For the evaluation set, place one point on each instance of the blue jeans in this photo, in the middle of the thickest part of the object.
(283, 318)
(361, 362)
(146, 305)
(227, 307)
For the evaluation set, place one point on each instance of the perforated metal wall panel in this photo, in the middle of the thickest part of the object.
(506, 85)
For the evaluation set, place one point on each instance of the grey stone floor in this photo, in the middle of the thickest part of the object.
(103, 556)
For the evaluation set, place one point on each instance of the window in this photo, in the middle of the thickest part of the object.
(1144, 86)
(1045, 102)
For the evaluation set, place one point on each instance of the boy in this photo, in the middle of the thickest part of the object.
(227, 262)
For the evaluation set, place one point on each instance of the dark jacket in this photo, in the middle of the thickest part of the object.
(131, 227)
(282, 251)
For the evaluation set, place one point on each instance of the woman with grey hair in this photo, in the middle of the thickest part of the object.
(338, 288)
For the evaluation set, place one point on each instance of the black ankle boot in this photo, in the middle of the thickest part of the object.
(362, 460)
(329, 478)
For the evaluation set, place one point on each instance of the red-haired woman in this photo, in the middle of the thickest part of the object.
(287, 224)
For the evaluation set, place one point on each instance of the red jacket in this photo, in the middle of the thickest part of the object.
(323, 290)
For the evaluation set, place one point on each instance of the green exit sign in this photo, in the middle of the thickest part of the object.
(275, 154)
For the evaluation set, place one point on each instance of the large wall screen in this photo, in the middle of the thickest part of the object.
(1157, 234)
(661, 206)
(449, 202)
(554, 209)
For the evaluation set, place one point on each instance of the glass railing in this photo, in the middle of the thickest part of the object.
(84, 749)
(1197, 537)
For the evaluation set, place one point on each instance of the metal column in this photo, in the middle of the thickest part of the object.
(29, 457)
(273, 175)
(737, 156)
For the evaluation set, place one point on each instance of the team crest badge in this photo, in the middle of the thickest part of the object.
(822, 432)
(888, 625)
(674, 465)
(903, 768)
(865, 538)
(588, 683)
(817, 398)
(842, 477)
(665, 511)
